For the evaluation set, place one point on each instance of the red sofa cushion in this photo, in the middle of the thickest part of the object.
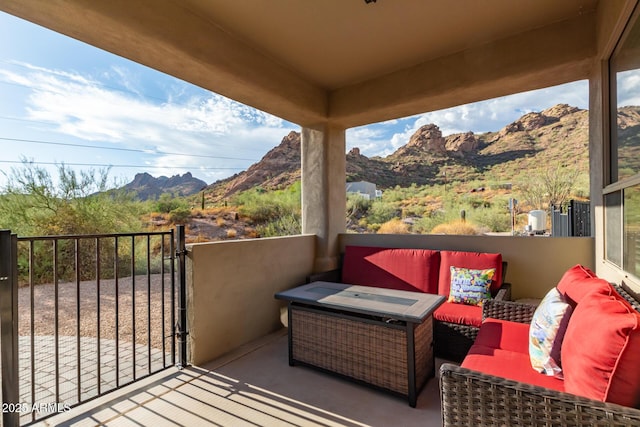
(473, 260)
(513, 365)
(462, 314)
(403, 269)
(601, 350)
(578, 281)
(505, 335)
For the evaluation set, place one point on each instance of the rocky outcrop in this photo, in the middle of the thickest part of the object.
(461, 143)
(428, 138)
(279, 168)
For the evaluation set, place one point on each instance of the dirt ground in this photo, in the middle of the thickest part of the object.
(81, 314)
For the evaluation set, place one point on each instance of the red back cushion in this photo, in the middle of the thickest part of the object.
(601, 350)
(472, 260)
(578, 281)
(403, 269)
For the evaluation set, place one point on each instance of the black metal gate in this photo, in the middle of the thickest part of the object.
(575, 222)
(84, 315)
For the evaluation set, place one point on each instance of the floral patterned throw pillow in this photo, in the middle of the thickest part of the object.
(471, 287)
(546, 333)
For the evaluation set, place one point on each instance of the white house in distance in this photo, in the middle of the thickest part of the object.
(365, 189)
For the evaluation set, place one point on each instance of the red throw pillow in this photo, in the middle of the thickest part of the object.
(601, 350)
(579, 281)
(471, 260)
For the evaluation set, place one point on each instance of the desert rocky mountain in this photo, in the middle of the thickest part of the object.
(145, 186)
(555, 136)
(558, 135)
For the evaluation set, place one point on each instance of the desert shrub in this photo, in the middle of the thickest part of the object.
(394, 226)
(263, 207)
(414, 211)
(373, 227)
(495, 220)
(381, 212)
(167, 203)
(179, 215)
(425, 224)
(286, 225)
(457, 227)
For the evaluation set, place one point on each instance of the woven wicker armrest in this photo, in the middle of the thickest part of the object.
(508, 310)
(326, 276)
(504, 293)
(471, 398)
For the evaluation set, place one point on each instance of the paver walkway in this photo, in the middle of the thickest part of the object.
(79, 383)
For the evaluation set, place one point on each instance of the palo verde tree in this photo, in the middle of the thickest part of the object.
(551, 186)
(76, 203)
(32, 203)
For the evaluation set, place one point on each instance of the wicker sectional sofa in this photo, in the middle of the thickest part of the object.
(425, 270)
(599, 357)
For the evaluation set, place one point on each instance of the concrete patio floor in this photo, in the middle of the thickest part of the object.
(253, 386)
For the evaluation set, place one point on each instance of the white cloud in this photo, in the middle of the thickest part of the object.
(485, 116)
(192, 121)
(628, 88)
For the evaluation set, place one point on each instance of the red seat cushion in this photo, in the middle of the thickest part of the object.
(403, 269)
(601, 350)
(504, 335)
(461, 314)
(471, 260)
(579, 281)
(513, 365)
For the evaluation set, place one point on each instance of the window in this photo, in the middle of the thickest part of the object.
(625, 99)
(631, 213)
(622, 195)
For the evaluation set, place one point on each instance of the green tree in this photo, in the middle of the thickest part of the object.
(76, 203)
(550, 186)
(32, 203)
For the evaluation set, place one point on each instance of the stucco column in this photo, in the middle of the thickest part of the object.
(323, 191)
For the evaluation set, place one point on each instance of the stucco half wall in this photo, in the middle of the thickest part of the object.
(535, 263)
(231, 287)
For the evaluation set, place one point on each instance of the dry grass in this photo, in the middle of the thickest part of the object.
(456, 227)
(394, 226)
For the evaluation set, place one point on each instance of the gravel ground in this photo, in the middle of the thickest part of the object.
(128, 303)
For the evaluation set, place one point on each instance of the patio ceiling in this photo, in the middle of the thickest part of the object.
(340, 60)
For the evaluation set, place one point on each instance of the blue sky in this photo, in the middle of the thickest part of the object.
(66, 102)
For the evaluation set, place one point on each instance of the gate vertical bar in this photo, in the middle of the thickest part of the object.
(571, 219)
(149, 304)
(9, 324)
(56, 318)
(182, 308)
(133, 306)
(116, 277)
(32, 324)
(98, 319)
(78, 322)
(163, 303)
(172, 269)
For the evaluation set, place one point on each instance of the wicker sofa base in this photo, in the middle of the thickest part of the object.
(471, 398)
(393, 356)
(452, 341)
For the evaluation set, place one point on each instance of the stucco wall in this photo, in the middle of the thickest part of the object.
(535, 263)
(231, 287)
